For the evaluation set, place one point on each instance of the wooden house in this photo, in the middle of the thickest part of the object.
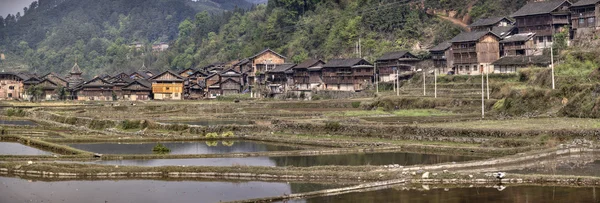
(213, 85)
(230, 82)
(487, 24)
(75, 77)
(118, 84)
(544, 18)
(474, 52)
(403, 61)
(120, 76)
(49, 89)
(442, 57)
(195, 85)
(315, 77)
(187, 72)
(11, 86)
(277, 79)
(57, 79)
(136, 75)
(167, 85)
(97, 89)
(519, 45)
(137, 90)
(584, 17)
(347, 74)
(260, 64)
(301, 75)
(511, 64)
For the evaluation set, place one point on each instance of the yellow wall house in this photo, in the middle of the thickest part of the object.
(167, 86)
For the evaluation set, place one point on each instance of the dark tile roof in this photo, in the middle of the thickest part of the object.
(471, 36)
(309, 63)
(585, 3)
(316, 68)
(56, 75)
(540, 7)
(518, 37)
(281, 68)
(335, 63)
(179, 78)
(187, 69)
(441, 46)
(22, 77)
(106, 83)
(144, 83)
(394, 55)
(503, 31)
(488, 21)
(541, 60)
(267, 50)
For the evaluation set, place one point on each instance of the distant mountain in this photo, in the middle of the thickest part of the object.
(257, 1)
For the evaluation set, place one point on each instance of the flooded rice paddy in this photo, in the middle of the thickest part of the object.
(18, 122)
(13, 148)
(210, 122)
(518, 194)
(14, 190)
(208, 147)
(576, 165)
(400, 158)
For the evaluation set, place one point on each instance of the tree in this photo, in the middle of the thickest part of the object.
(35, 92)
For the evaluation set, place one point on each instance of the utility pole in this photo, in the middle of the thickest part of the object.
(397, 84)
(359, 49)
(552, 63)
(424, 92)
(434, 82)
(375, 78)
(487, 81)
(482, 97)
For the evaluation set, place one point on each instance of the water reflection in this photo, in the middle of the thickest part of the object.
(10, 148)
(208, 147)
(455, 195)
(303, 161)
(18, 191)
(18, 122)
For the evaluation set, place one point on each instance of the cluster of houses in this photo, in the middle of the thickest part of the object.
(493, 45)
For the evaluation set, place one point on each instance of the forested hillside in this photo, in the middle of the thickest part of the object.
(53, 34)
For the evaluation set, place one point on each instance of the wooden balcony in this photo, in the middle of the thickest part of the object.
(464, 50)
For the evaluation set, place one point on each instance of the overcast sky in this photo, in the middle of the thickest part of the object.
(13, 6)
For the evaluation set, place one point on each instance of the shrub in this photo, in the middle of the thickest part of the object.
(15, 112)
(132, 124)
(227, 134)
(212, 135)
(332, 126)
(355, 104)
(160, 149)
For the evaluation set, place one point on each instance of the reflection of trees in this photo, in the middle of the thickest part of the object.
(366, 159)
(212, 143)
(228, 143)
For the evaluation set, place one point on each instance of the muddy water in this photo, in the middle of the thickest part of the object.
(303, 161)
(576, 165)
(11, 148)
(15, 190)
(517, 194)
(210, 122)
(210, 147)
(17, 122)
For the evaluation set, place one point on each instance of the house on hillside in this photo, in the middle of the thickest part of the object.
(519, 45)
(259, 64)
(544, 18)
(277, 78)
(11, 86)
(474, 52)
(301, 75)
(511, 64)
(167, 85)
(442, 57)
(584, 17)
(137, 90)
(195, 85)
(97, 89)
(402, 61)
(353, 74)
(488, 24)
(213, 85)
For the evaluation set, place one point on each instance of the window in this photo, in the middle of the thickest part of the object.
(591, 21)
(475, 68)
(176, 94)
(9, 95)
(11, 87)
(581, 21)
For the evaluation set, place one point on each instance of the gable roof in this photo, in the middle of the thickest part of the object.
(585, 3)
(395, 55)
(518, 37)
(55, 75)
(228, 79)
(309, 63)
(144, 83)
(105, 83)
(540, 7)
(503, 31)
(471, 36)
(187, 69)
(441, 46)
(281, 68)
(47, 80)
(265, 51)
(32, 80)
(165, 72)
(335, 63)
(488, 21)
(228, 72)
(75, 69)
(138, 73)
(541, 60)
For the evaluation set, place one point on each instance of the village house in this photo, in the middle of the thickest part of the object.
(213, 86)
(230, 82)
(260, 64)
(544, 18)
(49, 90)
(401, 61)
(75, 76)
(488, 24)
(137, 90)
(167, 86)
(301, 75)
(56, 79)
(584, 17)
(97, 89)
(519, 45)
(442, 57)
(160, 47)
(315, 78)
(11, 86)
(195, 85)
(277, 78)
(347, 74)
(118, 83)
(474, 52)
(511, 64)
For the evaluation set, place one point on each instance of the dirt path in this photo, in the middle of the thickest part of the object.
(455, 21)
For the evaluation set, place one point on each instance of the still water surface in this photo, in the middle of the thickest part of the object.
(210, 147)
(12, 148)
(18, 122)
(14, 190)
